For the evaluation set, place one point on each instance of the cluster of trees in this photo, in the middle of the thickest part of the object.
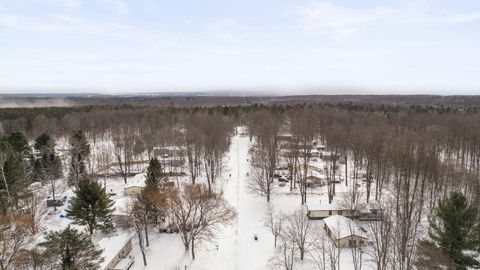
(193, 210)
(412, 157)
(410, 160)
(301, 241)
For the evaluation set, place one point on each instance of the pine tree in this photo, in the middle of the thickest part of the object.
(19, 143)
(79, 151)
(91, 206)
(13, 171)
(154, 174)
(38, 171)
(71, 249)
(453, 227)
(44, 144)
(50, 161)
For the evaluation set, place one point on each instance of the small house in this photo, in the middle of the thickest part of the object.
(116, 250)
(321, 211)
(344, 232)
(135, 185)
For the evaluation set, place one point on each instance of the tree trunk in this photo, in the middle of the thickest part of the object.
(193, 248)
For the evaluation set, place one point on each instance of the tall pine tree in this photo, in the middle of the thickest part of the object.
(71, 249)
(91, 206)
(79, 152)
(154, 174)
(453, 228)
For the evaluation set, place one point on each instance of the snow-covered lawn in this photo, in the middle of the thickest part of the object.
(235, 247)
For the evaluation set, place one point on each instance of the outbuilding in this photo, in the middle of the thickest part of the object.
(344, 232)
(321, 211)
(135, 185)
(116, 250)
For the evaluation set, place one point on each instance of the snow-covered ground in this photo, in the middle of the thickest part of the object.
(235, 247)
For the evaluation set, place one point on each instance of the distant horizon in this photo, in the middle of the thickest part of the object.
(328, 91)
(215, 93)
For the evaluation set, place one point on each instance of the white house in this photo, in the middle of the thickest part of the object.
(135, 185)
(320, 211)
(344, 232)
(116, 250)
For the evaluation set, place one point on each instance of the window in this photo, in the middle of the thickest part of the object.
(340, 212)
(329, 212)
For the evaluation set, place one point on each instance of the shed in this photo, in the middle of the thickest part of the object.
(320, 211)
(116, 250)
(344, 232)
(135, 185)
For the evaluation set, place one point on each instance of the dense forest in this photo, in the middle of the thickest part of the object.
(412, 151)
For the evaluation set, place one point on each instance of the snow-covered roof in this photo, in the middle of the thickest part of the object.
(325, 207)
(111, 246)
(136, 181)
(342, 227)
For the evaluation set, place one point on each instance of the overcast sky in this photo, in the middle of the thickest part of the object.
(285, 46)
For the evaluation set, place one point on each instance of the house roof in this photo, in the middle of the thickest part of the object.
(342, 227)
(136, 181)
(111, 246)
(325, 207)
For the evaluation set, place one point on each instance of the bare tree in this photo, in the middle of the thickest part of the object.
(356, 249)
(381, 237)
(15, 236)
(197, 213)
(265, 153)
(215, 142)
(137, 221)
(304, 131)
(286, 255)
(300, 230)
(192, 141)
(274, 222)
(124, 138)
(35, 208)
(318, 252)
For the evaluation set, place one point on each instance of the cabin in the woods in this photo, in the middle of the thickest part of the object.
(135, 185)
(321, 211)
(116, 250)
(344, 232)
(363, 212)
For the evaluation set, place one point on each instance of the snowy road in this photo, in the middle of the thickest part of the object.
(234, 247)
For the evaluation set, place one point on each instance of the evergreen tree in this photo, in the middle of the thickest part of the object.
(79, 151)
(91, 206)
(44, 144)
(71, 250)
(453, 227)
(154, 174)
(48, 160)
(19, 143)
(15, 178)
(38, 171)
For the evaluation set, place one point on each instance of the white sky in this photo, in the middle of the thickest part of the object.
(280, 46)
